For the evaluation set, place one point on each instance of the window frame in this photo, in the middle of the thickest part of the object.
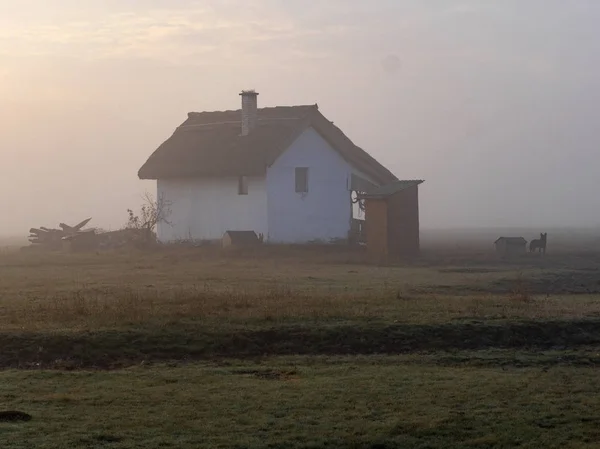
(304, 187)
(242, 185)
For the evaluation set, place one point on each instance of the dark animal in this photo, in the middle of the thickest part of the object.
(13, 415)
(539, 244)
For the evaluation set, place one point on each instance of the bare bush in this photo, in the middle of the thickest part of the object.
(152, 212)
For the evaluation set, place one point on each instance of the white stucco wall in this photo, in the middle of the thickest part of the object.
(204, 208)
(324, 212)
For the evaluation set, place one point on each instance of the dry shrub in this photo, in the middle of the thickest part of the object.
(521, 292)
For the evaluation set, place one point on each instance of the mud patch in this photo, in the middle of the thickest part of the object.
(472, 270)
(573, 282)
(113, 350)
(14, 416)
(267, 374)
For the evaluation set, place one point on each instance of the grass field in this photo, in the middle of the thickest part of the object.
(299, 348)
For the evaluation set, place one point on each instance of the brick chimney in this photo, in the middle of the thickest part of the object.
(249, 111)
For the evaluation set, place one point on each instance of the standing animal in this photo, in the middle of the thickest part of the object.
(539, 244)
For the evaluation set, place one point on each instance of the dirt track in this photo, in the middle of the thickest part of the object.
(107, 350)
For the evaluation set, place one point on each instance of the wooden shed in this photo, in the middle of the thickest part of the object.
(508, 246)
(392, 221)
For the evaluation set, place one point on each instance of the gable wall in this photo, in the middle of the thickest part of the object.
(324, 213)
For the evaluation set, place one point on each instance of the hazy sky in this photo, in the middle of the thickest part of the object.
(496, 104)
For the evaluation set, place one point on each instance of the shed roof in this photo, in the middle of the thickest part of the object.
(211, 144)
(512, 240)
(392, 188)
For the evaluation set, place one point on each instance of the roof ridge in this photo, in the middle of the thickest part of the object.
(237, 122)
(266, 108)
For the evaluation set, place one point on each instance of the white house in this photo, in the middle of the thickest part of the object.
(285, 172)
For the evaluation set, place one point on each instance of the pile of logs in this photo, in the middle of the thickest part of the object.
(75, 238)
(55, 238)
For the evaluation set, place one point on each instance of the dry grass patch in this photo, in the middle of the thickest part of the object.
(94, 308)
(97, 308)
(265, 287)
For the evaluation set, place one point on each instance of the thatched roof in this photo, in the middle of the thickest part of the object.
(211, 144)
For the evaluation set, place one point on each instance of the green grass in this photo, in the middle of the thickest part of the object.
(370, 402)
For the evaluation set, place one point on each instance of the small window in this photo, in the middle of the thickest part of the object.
(301, 179)
(242, 185)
